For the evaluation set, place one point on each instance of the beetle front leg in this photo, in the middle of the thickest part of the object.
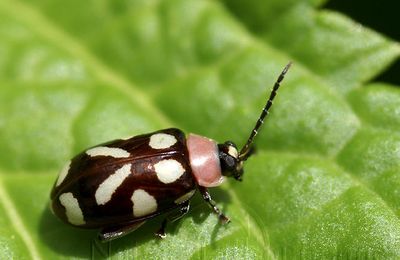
(184, 208)
(207, 197)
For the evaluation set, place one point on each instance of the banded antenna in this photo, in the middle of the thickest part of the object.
(245, 151)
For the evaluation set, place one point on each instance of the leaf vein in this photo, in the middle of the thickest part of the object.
(17, 222)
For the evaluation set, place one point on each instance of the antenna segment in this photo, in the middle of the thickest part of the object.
(244, 152)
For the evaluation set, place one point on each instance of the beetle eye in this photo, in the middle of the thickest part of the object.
(228, 156)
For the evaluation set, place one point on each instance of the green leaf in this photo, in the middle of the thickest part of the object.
(324, 182)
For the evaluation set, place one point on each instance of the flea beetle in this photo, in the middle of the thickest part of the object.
(118, 185)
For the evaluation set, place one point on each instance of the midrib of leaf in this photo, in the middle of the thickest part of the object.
(17, 222)
(44, 27)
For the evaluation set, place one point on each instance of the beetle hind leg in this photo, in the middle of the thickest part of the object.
(183, 209)
(110, 233)
(98, 249)
(207, 197)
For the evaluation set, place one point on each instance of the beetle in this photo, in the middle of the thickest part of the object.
(118, 185)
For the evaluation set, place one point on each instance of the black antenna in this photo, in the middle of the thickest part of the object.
(244, 152)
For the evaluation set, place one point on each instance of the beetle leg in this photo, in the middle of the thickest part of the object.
(98, 248)
(207, 197)
(110, 233)
(184, 208)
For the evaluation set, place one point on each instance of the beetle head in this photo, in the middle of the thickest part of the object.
(231, 165)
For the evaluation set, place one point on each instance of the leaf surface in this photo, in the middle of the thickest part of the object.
(323, 183)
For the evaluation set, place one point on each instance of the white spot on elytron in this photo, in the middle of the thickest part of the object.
(72, 210)
(63, 173)
(108, 151)
(143, 203)
(107, 188)
(233, 152)
(126, 137)
(162, 141)
(168, 170)
(185, 197)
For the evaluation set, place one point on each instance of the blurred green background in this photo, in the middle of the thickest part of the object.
(324, 182)
(381, 16)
